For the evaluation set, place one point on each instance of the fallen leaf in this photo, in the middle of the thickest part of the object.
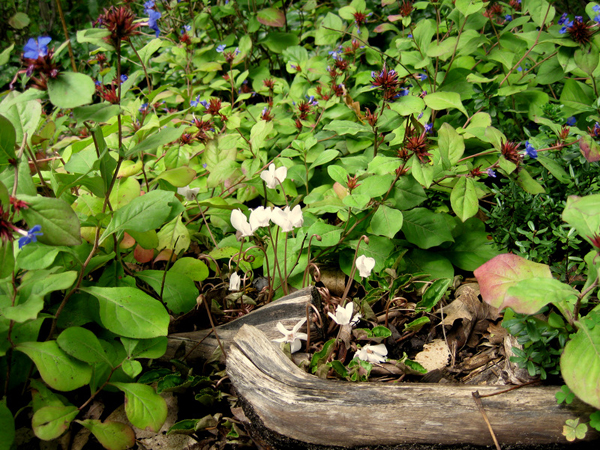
(434, 355)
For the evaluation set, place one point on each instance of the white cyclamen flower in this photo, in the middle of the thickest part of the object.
(293, 337)
(240, 223)
(373, 353)
(234, 282)
(288, 219)
(260, 217)
(365, 265)
(273, 176)
(189, 194)
(343, 315)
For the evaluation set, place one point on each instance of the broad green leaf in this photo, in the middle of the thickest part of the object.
(23, 312)
(178, 177)
(5, 55)
(386, 221)
(179, 292)
(470, 250)
(57, 369)
(463, 198)
(407, 105)
(143, 213)
(174, 236)
(445, 100)
(143, 406)
(112, 435)
(69, 90)
(530, 295)
(149, 49)
(425, 228)
(431, 263)
(271, 17)
(408, 193)
(124, 192)
(468, 7)
(374, 186)
(259, 133)
(538, 9)
(583, 351)
(7, 426)
(50, 422)
(324, 158)
(328, 32)
(342, 127)
(525, 180)
(7, 259)
(192, 268)
(59, 222)
(130, 312)
(575, 96)
(338, 173)
(100, 112)
(33, 257)
(95, 36)
(82, 344)
(330, 234)
(131, 368)
(499, 274)
(583, 214)
(151, 144)
(8, 138)
(422, 172)
(278, 42)
(145, 348)
(434, 294)
(451, 145)
(589, 148)
(554, 168)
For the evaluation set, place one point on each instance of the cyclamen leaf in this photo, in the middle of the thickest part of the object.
(499, 274)
(143, 406)
(130, 312)
(112, 435)
(50, 422)
(57, 369)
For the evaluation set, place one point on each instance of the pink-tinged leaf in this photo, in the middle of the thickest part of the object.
(271, 17)
(387, 2)
(386, 27)
(589, 148)
(497, 275)
(531, 295)
(395, 17)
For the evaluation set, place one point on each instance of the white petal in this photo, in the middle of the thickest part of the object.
(240, 223)
(295, 346)
(298, 326)
(334, 318)
(234, 282)
(283, 330)
(281, 173)
(296, 216)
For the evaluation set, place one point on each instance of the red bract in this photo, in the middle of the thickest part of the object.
(120, 22)
(510, 152)
(360, 18)
(406, 8)
(214, 106)
(580, 31)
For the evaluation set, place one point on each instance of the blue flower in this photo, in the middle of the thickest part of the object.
(530, 151)
(423, 76)
(148, 5)
(403, 92)
(420, 115)
(185, 29)
(143, 108)
(204, 103)
(220, 48)
(596, 8)
(123, 78)
(562, 19)
(195, 103)
(410, 36)
(428, 127)
(571, 121)
(519, 69)
(30, 236)
(36, 48)
(491, 173)
(153, 17)
(508, 18)
(312, 101)
(597, 18)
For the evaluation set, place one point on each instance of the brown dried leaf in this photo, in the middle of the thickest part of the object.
(434, 355)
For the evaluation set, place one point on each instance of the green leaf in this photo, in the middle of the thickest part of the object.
(192, 268)
(445, 100)
(386, 221)
(151, 144)
(451, 145)
(25, 311)
(174, 236)
(7, 259)
(329, 30)
(129, 312)
(528, 184)
(148, 50)
(374, 186)
(50, 422)
(499, 274)
(95, 36)
(530, 295)
(178, 177)
(471, 249)
(143, 213)
(259, 133)
(179, 292)
(82, 344)
(468, 7)
(145, 348)
(143, 406)
(7, 426)
(69, 90)
(338, 173)
(330, 234)
(463, 198)
(271, 17)
(554, 168)
(425, 228)
(583, 350)
(57, 369)
(59, 222)
(278, 42)
(34, 257)
(5, 55)
(407, 105)
(583, 214)
(112, 435)
(8, 138)
(589, 148)
(19, 21)
(537, 10)
(434, 294)
(324, 158)
(416, 324)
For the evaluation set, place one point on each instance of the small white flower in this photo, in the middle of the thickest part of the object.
(273, 176)
(293, 337)
(288, 219)
(365, 265)
(240, 223)
(373, 353)
(189, 194)
(260, 217)
(234, 282)
(343, 315)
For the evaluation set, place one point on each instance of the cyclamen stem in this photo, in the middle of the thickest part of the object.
(353, 270)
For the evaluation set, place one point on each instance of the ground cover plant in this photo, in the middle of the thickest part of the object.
(178, 164)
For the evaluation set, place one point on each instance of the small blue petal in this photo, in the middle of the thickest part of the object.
(220, 48)
(571, 121)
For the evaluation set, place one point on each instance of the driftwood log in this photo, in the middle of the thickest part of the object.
(202, 344)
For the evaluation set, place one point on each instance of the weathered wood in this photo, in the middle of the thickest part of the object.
(202, 344)
(291, 403)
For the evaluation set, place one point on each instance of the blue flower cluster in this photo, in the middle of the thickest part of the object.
(36, 47)
(530, 150)
(197, 102)
(566, 23)
(153, 16)
(571, 121)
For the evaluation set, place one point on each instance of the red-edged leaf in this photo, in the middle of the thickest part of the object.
(497, 275)
(395, 17)
(271, 17)
(589, 148)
